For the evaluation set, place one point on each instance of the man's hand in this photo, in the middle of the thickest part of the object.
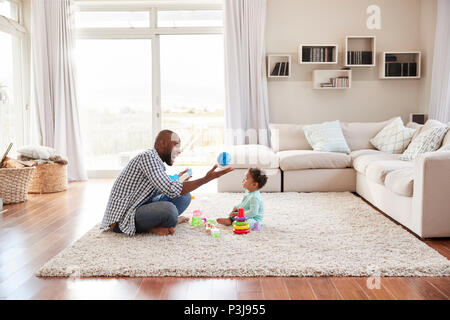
(183, 172)
(213, 174)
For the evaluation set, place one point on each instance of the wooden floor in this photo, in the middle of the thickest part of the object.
(33, 232)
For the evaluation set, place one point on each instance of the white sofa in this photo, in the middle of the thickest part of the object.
(414, 193)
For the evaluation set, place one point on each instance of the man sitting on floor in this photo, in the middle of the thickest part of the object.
(144, 198)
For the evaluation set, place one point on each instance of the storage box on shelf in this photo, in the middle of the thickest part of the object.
(400, 65)
(278, 66)
(360, 51)
(318, 54)
(332, 79)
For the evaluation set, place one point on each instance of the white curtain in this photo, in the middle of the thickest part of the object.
(247, 110)
(54, 82)
(440, 81)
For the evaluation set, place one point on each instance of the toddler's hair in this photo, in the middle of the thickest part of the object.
(258, 176)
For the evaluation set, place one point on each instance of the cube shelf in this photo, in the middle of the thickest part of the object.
(360, 51)
(279, 66)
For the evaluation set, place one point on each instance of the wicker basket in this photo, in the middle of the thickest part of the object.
(14, 184)
(48, 178)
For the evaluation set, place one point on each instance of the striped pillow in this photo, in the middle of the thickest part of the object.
(427, 141)
(326, 136)
(394, 138)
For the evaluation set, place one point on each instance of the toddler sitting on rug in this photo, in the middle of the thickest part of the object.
(252, 202)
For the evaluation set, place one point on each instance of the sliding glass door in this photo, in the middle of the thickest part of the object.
(115, 91)
(146, 67)
(11, 108)
(192, 94)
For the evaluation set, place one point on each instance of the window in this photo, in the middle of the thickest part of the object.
(190, 18)
(11, 95)
(114, 84)
(9, 10)
(112, 19)
(193, 94)
(137, 75)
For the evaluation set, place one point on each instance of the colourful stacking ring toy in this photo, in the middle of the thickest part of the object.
(241, 225)
(241, 231)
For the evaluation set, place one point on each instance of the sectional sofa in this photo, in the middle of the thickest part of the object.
(414, 193)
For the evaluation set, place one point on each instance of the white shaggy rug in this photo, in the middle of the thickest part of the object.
(304, 234)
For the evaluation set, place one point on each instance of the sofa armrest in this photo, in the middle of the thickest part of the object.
(431, 198)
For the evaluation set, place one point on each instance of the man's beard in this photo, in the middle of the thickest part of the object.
(167, 157)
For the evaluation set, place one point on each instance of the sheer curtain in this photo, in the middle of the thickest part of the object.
(54, 82)
(440, 81)
(247, 111)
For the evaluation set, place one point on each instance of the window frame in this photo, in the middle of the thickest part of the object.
(152, 32)
(21, 63)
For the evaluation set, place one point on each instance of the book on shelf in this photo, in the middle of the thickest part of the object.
(401, 69)
(359, 57)
(390, 58)
(282, 68)
(412, 71)
(286, 71)
(405, 69)
(324, 54)
(276, 69)
(337, 82)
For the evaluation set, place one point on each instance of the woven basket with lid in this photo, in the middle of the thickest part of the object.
(48, 178)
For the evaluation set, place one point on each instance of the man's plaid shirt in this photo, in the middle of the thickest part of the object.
(134, 186)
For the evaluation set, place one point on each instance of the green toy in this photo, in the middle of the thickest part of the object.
(196, 218)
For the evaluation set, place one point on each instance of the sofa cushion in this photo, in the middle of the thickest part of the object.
(288, 137)
(252, 155)
(416, 126)
(428, 140)
(394, 138)
(326, 136)
(360, 163)
(358, 134)
(309, 159)
(431, 123)
(377, 170)
(446, 140)
(355, 154)
(401, 181)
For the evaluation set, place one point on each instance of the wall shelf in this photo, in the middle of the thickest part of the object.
(360, 51)
(400, 65)
(318, 54)
(279, 66)
(325, 76)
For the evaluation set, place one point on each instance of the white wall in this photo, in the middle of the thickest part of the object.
(292, 22)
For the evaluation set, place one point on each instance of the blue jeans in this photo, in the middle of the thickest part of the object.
(159, 211)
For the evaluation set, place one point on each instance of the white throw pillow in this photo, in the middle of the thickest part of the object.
(394, 138)
(37, 152)
(428, 140)
(326, 136)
